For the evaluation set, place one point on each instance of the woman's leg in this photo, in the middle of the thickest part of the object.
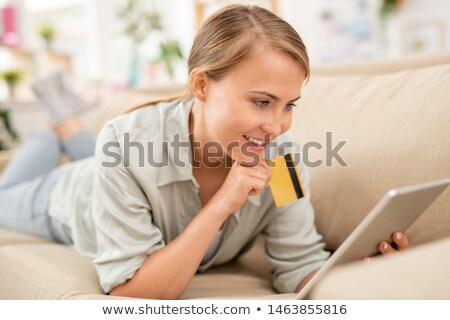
(76, 141)
(42, 150)
(58, 97)
(21, 209)
(27, 182)
(63, 103)
(39, 154)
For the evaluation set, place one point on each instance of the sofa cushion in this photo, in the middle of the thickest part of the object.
(231, 280)
(245, 277)
(8, 236)
(419, 273)
(397, 129)
(45, 271)
(53, 271)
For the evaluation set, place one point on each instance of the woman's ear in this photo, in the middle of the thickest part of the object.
(197, 83)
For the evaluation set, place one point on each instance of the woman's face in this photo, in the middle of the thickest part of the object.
(253, 101)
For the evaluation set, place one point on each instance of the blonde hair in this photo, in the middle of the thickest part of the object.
(228, 38)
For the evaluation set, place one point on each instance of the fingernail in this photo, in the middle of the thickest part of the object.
(398, 236)
(385, 246)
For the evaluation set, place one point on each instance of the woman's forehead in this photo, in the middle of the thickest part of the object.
(268, 60)
(267, 71)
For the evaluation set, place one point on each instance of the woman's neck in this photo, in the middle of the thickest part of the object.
(203, 158)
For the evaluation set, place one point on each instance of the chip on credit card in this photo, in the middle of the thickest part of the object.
(285, 183)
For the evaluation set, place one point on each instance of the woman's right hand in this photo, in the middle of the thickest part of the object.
(240, 183)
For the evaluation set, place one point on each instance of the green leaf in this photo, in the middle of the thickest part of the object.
(11, 76)
(5, 120)
(47, 31)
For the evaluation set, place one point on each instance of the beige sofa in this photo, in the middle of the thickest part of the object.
(395, 117)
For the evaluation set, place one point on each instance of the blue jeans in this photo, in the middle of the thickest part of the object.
(28, 180)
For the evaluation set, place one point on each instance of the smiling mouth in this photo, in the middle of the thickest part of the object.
(257, 142)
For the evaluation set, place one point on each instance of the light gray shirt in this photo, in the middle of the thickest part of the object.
(122, 206)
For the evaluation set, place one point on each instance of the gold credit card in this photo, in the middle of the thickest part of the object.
(285, 184)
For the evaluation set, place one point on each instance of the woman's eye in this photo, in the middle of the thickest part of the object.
(289, 106)
(261, 103)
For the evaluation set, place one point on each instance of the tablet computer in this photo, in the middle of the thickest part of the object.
(396, 211)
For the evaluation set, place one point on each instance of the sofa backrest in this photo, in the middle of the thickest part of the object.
(119, 102)
(397, 131)
(380, 66)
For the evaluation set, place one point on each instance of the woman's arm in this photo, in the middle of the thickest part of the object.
(166, 273)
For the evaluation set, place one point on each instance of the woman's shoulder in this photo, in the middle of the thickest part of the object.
(283, 144)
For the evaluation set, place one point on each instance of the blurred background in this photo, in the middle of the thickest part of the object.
(107, 46)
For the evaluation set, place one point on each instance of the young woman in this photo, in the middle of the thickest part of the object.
(178, 186)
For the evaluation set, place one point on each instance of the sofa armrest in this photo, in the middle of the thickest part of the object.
(419, 273)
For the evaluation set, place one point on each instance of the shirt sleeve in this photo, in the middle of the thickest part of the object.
(293, 246)
(125, 232)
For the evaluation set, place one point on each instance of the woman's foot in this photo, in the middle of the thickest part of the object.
(58, 97)
(75, 100)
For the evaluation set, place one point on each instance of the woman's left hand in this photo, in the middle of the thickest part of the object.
(399, 243)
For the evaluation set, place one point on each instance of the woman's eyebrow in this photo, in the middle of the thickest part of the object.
(274, 97)
(295, 99)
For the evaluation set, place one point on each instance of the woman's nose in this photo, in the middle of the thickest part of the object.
(273, 126)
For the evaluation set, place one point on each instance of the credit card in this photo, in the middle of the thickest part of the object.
(285, 183)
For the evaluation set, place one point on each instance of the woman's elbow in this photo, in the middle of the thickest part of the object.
(125, 290)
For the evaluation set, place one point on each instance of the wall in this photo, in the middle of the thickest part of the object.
(305, 15)
(102, 52)
(427, 11)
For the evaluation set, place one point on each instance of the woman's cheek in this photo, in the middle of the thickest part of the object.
(287, 124)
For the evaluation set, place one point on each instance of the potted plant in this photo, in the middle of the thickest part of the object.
(11, 77)
(388, 7)
(169, 52)
(7, 134)
(47, 32)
